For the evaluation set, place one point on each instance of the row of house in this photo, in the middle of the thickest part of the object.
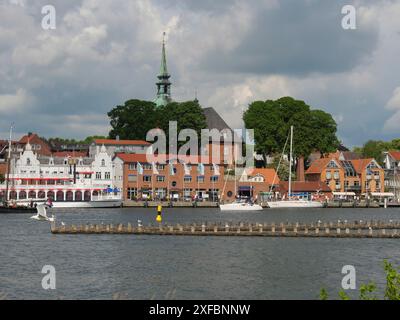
(123, 164)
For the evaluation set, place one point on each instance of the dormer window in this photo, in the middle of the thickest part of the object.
(51, 161)
(28, 161)
(103, 162)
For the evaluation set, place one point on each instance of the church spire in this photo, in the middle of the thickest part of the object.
(163, 84)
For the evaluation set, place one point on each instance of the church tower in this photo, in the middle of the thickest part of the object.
(163, 84)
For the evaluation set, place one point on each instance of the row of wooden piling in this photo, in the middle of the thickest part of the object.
(370, 229)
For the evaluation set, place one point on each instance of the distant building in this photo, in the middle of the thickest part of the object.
(392, 172)
(307, 190)
(356, 176)
(35, 176)
(119, 146)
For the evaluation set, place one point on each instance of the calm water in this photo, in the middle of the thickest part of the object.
(153, 267)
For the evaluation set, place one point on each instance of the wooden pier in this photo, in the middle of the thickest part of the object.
(369, 229)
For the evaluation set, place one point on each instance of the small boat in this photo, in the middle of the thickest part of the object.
(295, 204)
(240, 205)
(16, 209)
(291, 202)
(41, 214)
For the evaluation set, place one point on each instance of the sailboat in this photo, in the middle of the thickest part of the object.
(239, 204)
(290, 202)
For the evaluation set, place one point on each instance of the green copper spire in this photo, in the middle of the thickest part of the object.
(163, 84)
(163, 68)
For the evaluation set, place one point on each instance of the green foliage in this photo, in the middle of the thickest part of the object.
(62, 141)
(283, 171)
(343, 295)
(366, 290)
(323, 295)
(271, 121)
(133, 120)
(392, 290)
(189, 115)
(376, 148)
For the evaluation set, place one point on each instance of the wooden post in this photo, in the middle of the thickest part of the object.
(203, 228)
(338, 230)
(192, 229)
(215, 229)
(347, 231)
(316, 230)
(226, 228)
(129, 228)
(327, 230)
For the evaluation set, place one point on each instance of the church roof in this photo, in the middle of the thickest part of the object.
(214, 120)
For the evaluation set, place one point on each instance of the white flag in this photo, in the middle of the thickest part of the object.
(187, 169)
(216, 169)
(155, 171)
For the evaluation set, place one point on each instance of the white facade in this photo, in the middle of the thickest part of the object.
(63, 179)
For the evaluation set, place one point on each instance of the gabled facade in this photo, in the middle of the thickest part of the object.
(360, 176)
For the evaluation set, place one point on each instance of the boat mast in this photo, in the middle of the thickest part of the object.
(8, 166)
(290, 162)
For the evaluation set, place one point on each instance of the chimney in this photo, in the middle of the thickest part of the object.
(300, 170)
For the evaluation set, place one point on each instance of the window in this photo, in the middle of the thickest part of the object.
(147, 178)
(332, 164)
(107, 175)
(65, 161)
(147, 166)
(160, 166)
(103, 162)
(98, 175)
(187, 179)
(160, 178)
(132, 178)
(214, 179)
(328, 175)
(200, 179)
(28, 162)
(132, 166)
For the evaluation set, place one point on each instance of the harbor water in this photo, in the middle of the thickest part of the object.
(169, 267)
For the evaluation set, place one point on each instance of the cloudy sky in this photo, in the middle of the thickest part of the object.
(62, 82)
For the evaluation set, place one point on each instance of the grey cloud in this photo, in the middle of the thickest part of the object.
(297, 38)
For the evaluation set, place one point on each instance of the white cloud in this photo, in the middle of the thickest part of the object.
(393, 123)
(15, 103)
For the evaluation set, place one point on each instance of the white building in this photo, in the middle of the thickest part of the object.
(62, 179)
(392, 172)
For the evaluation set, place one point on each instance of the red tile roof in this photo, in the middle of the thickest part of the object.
(305, 186)
(269, 174)
(318, 166)
(360, 164)
(395, 154)
(121, 142)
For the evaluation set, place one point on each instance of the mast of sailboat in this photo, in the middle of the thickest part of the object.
(290, 162)
(8, 166)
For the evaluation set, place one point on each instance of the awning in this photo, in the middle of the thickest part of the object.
(350, 194)
(382, 194)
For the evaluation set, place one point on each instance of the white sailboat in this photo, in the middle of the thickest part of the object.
(239, 204)
(293, 203)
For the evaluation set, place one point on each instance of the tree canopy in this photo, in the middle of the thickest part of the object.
(314, 130)
(135, 118)
(375, 148)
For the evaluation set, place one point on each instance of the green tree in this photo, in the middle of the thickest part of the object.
(188, 115)
(271, 121)
(133, 120)
(374, 149)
